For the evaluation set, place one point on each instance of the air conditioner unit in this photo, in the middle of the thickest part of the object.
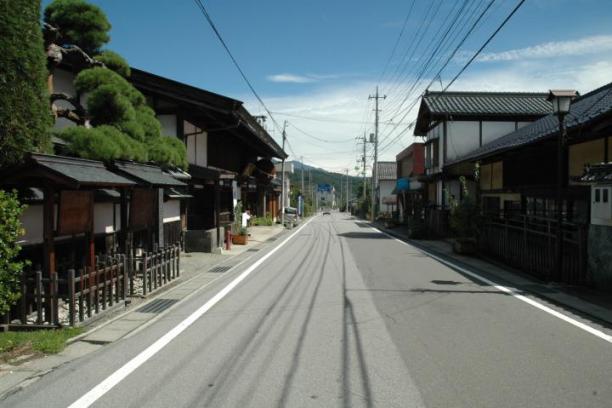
(601, 205)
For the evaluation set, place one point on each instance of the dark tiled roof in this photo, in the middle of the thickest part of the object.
(81, 172)
(487, 103)
(386, 170)
(582, 110)
(152, 175)
(599, 173)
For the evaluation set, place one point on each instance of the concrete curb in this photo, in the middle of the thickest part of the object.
(556, 296)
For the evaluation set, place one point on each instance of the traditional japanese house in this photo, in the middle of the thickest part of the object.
(518, 178)
(229, 154)
(63, 219)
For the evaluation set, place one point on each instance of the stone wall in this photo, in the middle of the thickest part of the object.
(600, 255)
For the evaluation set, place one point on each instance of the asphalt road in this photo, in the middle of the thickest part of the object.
(344, 316)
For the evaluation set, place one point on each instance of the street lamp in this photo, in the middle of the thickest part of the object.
(561, 100)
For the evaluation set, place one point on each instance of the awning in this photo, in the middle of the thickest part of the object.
(401, 184)
(147, 174)
(107, 194)
(174, 194)
(66, 172)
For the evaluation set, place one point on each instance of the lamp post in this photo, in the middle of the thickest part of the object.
(561, 100)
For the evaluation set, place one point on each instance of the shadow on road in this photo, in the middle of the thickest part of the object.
(363, 235)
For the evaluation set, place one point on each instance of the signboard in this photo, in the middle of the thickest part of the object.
(75, 212)
(142, 208)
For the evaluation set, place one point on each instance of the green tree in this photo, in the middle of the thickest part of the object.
(80, 23)
(10, 232)
(25, 116)
(124, 127)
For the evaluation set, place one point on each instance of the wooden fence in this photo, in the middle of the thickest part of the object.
(153, 270)
(74, 296)
(529, 243)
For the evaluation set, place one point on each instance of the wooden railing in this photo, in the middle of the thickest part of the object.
(529, 243)
(74, 296)
(153, 270)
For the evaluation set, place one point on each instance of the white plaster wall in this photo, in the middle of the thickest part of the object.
(168, 124)
(494, 130)
(172, 211)
(197, 144)
(63, 82)
(32, 221)
(463, 137)
(385, 187)
(103, 218)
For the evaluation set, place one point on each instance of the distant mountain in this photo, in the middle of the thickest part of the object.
(321, 176)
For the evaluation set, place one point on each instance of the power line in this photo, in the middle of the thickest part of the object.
(318, 138)
(202, 8)
(503, 23)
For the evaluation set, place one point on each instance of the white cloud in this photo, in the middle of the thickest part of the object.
(291, 78)
(341, 109)
(583, 46)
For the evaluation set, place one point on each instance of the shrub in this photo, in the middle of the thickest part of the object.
(115, 62)
(25, 115)
(10, 232)
(106, 105)
(465, 218)
(168, 151)
(80, 23)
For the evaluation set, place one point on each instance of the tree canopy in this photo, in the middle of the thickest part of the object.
(25, 115)
(124, 126)
(80, 23)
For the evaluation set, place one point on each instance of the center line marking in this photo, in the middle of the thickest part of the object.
(511, 292)
(115, 378)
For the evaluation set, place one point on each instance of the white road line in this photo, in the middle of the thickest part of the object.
(115, 378)
(512, 292)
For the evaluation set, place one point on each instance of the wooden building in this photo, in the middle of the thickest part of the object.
(518, 186)
(229, 154)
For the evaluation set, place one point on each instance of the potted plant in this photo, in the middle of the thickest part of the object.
(241, 237)
(465, 221)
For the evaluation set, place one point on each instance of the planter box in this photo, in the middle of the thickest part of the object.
(240, 239)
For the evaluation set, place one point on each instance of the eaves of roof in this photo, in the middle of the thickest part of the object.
(586, 109)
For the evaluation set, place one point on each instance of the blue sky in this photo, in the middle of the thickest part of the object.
(319, 60)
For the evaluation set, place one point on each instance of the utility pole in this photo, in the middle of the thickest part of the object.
(364, 166)
(302, 163)
(374, 169)
(283, 178)
(347, 190)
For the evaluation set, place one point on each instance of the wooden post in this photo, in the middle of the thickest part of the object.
(217, 210)
(39, 300)
(159, 230)
(71, 299)
(53, 300)
(48, 242)
(144, 266)
(23, 303)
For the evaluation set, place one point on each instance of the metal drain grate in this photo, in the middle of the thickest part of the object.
(271, 239)
(219, 269)
(157, 306)
(253, 250)
(363, 225)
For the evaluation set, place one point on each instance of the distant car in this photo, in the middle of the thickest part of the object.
(291, 216)
(326, 212)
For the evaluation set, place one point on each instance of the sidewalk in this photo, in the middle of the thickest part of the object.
(197, 271)
(587, 301)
